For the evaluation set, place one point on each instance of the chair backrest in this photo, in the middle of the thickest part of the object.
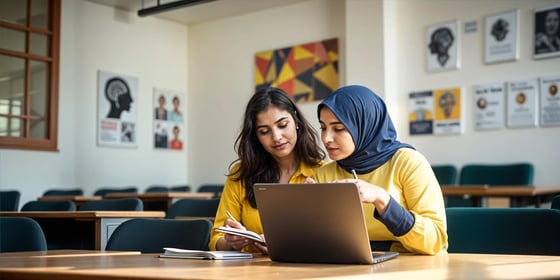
(157, 188)
(193, 207)
(497, 175)
(211, 188)
(121, 204)
(63, 192)
(532, 231)
(446, 174)
(40, 205)
(103, 191)
(9, 200)
(555, 202)
(21, 234)
(152, 235)
(181, 188)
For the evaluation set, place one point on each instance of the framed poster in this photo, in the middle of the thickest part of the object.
(421, 113)
(502, 37)
(442, 50)
(550, 101)
(489, 108)
(448, 111)
(547, 32)
(168, 115)
(522, 103)
(116, 125)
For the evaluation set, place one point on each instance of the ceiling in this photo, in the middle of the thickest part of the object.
(202, 12)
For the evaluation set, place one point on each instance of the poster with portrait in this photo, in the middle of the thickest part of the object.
(489, 106)
(168, 114)
(522, 103)
(550, 101)
(448, 111)
(442, 46)
(547, 32)
(421, 113)
(501, 37)
(117, 110)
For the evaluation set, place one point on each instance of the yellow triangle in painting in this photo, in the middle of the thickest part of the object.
(258, 77)
(301, 87)
(266, 55)
(328, 76)
(271, 75)
(287, 73)
(301, 53)
(333, 56)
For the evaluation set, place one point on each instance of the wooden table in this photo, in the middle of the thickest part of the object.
(478, 192)
(81, 229)
(68, 265)
(161, 201)
(77, 199)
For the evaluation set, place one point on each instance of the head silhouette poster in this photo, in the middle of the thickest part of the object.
(442, 46)
(117, 110)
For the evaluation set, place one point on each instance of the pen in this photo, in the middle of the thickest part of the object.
(230, 216)
(355, 175)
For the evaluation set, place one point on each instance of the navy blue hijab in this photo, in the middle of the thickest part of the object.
(365, 116)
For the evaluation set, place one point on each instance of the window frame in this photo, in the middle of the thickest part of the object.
(50, 142)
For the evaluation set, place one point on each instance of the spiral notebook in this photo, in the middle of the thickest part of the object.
(315, 223)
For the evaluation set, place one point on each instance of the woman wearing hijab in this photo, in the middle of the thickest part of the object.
(402, 199)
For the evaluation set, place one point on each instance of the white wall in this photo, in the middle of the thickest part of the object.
(381, 44)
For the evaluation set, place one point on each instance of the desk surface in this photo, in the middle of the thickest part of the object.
(74, 264)
(162, 195)
(85, 214)
(75, 198)
(503, 191)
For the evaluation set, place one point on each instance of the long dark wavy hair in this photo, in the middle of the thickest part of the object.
(256, 164)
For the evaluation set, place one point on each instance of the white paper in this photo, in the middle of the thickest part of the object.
(550, 101)
(489, 106)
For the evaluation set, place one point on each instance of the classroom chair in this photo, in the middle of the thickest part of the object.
(181, 188)
(530, 231)
(152, 235)
(39, 205)
(217, 189)
(447, 174)
(157, 188)
(193, 207)
(21, 234)
(63, 192)
(104, 191)
(555, 202)
(121, 204)
(9, 200)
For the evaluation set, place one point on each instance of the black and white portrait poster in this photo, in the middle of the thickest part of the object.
(489, 106)
(168, 114)
(522, 103)
(117, 113)
(501, 37)
(547, 31)
(550, 101)
(421, 113)
(448, 111)
(442, 48)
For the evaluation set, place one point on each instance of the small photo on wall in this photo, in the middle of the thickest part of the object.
(547, 32)
(168, 115)
(442, 48)
(501, 37)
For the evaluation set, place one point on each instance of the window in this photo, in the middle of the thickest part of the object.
(29, 59)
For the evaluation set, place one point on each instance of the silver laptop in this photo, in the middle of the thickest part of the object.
(315, 223)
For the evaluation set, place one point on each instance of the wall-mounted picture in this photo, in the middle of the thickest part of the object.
(307, 72)
(501, 37)
(489, 106)
(448, 111)
(442, 47)
(550, 101)
(117, 111)
(421, 113)
(522, 103)
(168, 116)
(547, 31)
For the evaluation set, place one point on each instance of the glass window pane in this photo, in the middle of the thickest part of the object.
(14, 11)
(38, 129)
(11, 127)
(39, 87)
(12, 82)
(39, 14)
(12, 39)
(39, 44)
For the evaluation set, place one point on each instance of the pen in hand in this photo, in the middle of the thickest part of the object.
(354, 173)
(230, 216)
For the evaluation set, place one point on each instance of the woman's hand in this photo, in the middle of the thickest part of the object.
(371, 194)
(235, 242)
(261, 246)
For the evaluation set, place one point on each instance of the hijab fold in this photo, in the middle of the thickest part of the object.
(365, 116)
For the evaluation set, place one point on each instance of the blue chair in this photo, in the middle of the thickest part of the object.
(530, 231)
(121, 204)
(104, 191)
(9, 200)
(181, 188)
(39, 205)
(555, 202)
(193, 207)
(63, 192)
(21, 234)
(157, 188)
(216, 189)
(152, 235)
(447, 174)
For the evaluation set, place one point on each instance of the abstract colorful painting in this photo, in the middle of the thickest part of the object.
(307, 72)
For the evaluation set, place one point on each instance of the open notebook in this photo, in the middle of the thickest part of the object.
(315, 223)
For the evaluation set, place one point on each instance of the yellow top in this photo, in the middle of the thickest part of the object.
(410, 181)
(234, 200)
